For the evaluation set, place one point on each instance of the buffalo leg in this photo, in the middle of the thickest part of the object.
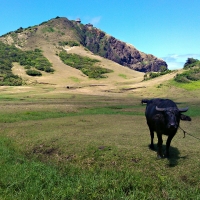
(151, 146)
(152, 137)
(169, 139)
(160, 142)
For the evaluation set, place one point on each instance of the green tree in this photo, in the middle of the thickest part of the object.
(190, 63)
(163, 68)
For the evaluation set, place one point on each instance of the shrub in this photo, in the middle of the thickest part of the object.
(49, 69)
(48, 29)
(11, 80)
(85, 64)
(38, 50)
(151, 75)
(192, 74)
(69, 43)
(35, 59)
(95, 72)
(8, 55)
(191, 62)
(181, 79)
(163, 68)
(32, 72)
(19, 30)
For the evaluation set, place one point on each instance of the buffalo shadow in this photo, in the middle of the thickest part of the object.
(174, 155)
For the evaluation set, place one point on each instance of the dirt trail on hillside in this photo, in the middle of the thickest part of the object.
(156, 81)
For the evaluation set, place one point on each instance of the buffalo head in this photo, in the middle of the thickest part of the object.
(172, 116)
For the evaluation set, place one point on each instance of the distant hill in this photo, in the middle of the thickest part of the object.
(60, 31)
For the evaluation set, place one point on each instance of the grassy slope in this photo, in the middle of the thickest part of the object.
(68, 76)
(121, 80)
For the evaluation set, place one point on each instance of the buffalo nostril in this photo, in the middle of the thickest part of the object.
(172, 126)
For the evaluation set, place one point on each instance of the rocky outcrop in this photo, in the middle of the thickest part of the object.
(129, 56)
(124, 54)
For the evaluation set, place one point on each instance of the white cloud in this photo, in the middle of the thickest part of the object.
(95, 20)
(175, 61)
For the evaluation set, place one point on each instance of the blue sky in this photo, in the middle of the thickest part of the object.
(168, 29)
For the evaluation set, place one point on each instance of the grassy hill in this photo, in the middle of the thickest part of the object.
(61, 33)
(35, 58)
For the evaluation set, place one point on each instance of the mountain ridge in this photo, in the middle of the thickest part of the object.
(61, 29)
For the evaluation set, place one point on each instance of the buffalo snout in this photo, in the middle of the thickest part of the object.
(172, 126)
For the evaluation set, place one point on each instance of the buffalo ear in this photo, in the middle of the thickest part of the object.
(185, 118)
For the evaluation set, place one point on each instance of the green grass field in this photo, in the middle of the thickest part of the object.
(193, 85)
(67, 146)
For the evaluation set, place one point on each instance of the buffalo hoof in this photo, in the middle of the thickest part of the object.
(151, 146)
(159, 156)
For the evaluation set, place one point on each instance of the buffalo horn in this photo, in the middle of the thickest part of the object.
(160, 109)
(183, 109)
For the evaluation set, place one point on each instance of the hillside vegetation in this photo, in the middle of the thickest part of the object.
(7, 55)
(188, 78)
(60, 36)
(31, 60)
(85, 64)
(192, 71)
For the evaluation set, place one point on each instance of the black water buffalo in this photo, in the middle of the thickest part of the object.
(163, 116)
